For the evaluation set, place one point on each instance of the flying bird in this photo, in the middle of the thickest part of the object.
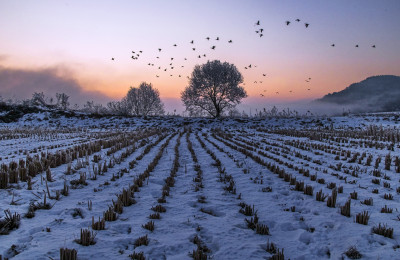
(175, 45)
(261, 35)
(257, 31)
(172, 58)
(230, 41)
(306, 24)
(179, 76)
(308, 89)
(157, 57)
(213, 47)
(140, 51)
(261, 30)
(250, 66)
(199, 56)
(356, 45)
(264, 75)
(217, 39)
(112, 58)
(277, 92)
(297, 20)
(258, 22)
(194, 49)
(208, 38)
(157, 76)
(262, 95)
(192, 42)
(333, 45)
(373, 46)
(165, 69)
(159, 49)
(287, 22)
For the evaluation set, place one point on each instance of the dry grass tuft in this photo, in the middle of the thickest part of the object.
(149, 226)
(10, 222)
(383, 230)
(141, 241)
(345, 209)
(362, 218)
(353, 253)
(159, 208)
(87, 238)
(137, 256)
(68, 254)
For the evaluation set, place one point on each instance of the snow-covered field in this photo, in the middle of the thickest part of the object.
(176, 188)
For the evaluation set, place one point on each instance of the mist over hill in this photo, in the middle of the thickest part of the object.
(374, 94)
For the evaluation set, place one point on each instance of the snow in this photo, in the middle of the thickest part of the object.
(311, 231)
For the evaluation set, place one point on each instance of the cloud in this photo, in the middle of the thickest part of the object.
(20, 84)
(3, 57)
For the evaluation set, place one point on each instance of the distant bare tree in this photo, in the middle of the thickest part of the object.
(62, 100)
(38, 99)
(213, 89)
(94, 108)
(144, 101)
(118, 107)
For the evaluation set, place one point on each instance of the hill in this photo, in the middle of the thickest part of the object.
(377, 93)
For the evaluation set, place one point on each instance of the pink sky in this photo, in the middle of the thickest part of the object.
(80, 38)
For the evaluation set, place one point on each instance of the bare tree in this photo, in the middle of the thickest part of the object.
(38, 99)
(62, 100)
(144, 101)
(94, 108)
(118, 107)
(213, 89)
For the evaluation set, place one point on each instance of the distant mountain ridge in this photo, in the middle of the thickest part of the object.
(374, 94)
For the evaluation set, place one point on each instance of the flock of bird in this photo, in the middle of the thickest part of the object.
(259, 31)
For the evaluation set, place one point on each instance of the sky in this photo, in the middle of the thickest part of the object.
(68, 46)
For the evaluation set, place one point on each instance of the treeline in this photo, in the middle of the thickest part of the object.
(141, 101)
